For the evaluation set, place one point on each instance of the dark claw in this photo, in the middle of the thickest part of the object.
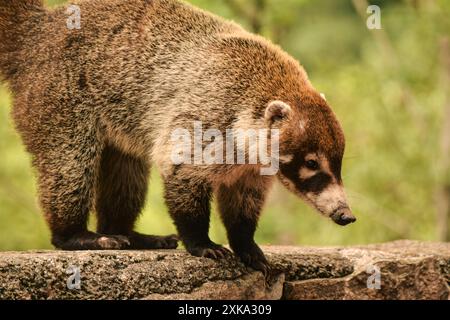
(211, 251)
(171, 242)
(254, 258)
(220, 254)
(226, 253)
(261, 266)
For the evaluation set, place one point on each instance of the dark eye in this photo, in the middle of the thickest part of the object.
(312, 165)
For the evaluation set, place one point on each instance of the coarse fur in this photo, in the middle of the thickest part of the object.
(96, 107)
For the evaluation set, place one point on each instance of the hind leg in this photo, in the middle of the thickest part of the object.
(66, 183)
(121, 192)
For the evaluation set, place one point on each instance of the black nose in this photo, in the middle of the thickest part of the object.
(343, 217)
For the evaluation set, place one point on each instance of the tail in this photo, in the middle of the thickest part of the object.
(15, 16)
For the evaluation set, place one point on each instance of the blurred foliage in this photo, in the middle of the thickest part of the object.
(385, 85)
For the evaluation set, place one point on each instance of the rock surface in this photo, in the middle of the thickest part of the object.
(397, 270)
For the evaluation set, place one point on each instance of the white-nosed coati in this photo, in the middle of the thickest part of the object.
(96, 106)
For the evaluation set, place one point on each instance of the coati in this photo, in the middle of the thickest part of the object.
(96, 106)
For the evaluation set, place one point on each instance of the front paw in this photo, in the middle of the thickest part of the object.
(252, 256)
(210, 250)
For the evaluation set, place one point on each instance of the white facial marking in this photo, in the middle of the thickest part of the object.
(286, 158)
(329, 199)
(306, 173)
(312, 156)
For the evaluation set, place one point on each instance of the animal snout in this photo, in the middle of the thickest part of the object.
(343, 216)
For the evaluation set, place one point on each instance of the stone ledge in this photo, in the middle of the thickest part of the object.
(408, 270)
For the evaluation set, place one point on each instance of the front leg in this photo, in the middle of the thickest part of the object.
(240, 207)
(188, 201)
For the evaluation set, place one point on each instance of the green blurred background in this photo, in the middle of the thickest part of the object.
(389, 88)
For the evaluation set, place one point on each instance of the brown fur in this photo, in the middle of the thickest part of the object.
(96, 106)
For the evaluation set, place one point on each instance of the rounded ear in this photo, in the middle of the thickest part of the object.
(277, 111)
